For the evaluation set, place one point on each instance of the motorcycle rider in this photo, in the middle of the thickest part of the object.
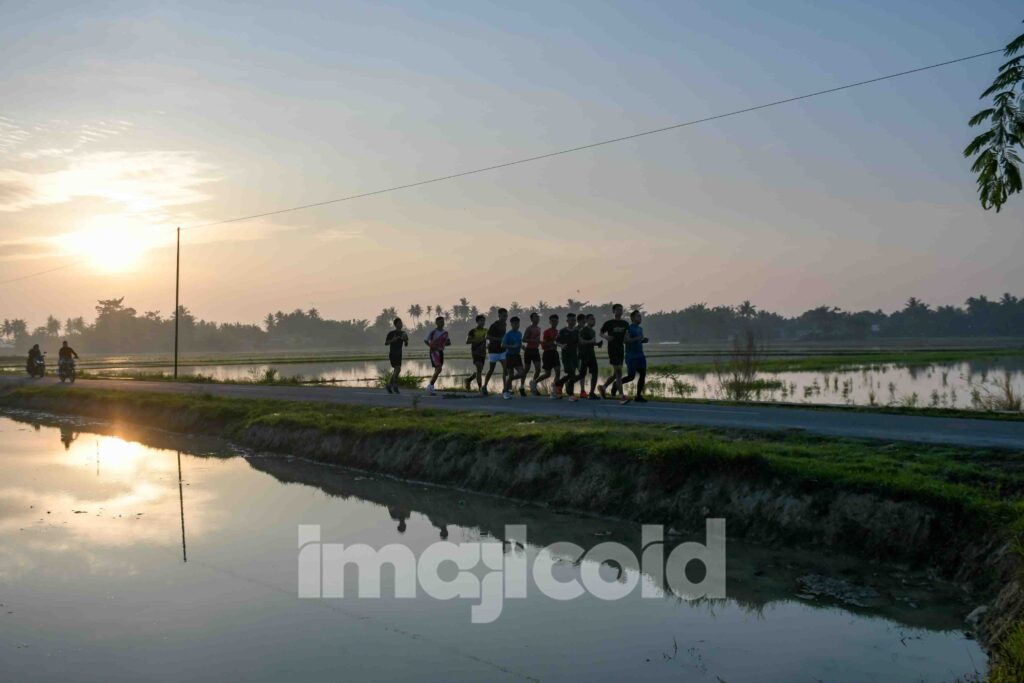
(34, 356)
(65, 356)
(66, 352)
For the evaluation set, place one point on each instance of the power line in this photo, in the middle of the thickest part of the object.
(568, 150)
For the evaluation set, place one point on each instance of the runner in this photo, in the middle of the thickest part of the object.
(396, 339)
(495, 333)
(588, 356)
(477, 340)
(614, 332)
(636, 361)
(436, 340)
(515, 370)
(549, 356)
(569, 342)
(531, 340)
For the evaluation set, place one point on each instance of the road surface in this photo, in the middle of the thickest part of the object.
(936, 430)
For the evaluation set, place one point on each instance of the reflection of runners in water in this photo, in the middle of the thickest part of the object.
(568, 341)
(436, 340)
(588, 356)
(514, 368)
(614, 332)
(396, 339)
(477, 340)
(636, 361)
(531, 353)
(495, 354)
(549, 356)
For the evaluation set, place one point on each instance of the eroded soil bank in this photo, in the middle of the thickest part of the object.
(590, 467)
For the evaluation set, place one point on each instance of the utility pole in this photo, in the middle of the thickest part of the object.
(177, 305)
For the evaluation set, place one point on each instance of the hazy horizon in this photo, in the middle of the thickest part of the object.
(121, 122)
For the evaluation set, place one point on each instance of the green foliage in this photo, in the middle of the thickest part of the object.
(997, 162)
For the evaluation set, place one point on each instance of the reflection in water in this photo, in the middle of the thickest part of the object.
(90, 568)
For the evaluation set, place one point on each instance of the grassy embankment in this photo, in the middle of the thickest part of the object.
(982, 484)
(979, 490)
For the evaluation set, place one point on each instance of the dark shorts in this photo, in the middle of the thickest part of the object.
(514, 362)
(396, 362)
(633, 365)
(532, 355)
(478, 360)
(550, 360)
(437, 358)
(588, 363)
(615, 356)
(570, 361)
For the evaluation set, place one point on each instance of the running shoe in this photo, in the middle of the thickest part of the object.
(583, 394)
(624, 401)
(469, 382)
(484, 393)
(594, 397)
(430, 389)
(506, 395)
(640, 399)
(533, 388)
(388, 387)
(522, 392)
(395, 388)
(573, 399)
(603, 391)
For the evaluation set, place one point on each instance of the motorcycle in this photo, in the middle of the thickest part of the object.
(66, 370)
(37, 367)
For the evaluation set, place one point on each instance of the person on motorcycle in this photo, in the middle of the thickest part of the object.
(34, 356)
(65, 353)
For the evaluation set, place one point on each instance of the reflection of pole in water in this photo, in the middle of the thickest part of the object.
(181, 502)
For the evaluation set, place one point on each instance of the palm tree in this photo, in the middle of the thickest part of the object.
(746, 310)
(269, 321)
(415, 311)
(998, 163)
(6, 330)
(52, 326)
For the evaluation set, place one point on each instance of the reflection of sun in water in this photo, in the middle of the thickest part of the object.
(109, 244)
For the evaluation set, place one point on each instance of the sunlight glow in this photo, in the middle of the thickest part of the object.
(110, 244)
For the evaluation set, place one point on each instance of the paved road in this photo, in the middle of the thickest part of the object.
(941, 430)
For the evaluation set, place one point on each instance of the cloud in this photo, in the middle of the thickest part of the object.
(54, 138)
(141, 182)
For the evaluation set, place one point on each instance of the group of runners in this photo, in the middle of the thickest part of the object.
(567, 354)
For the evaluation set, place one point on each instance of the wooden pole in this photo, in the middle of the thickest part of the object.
(177, 305)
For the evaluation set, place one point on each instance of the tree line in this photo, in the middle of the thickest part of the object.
(118, 328)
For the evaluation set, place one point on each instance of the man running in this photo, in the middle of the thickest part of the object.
(636, 361)
(495, 354)
(531, 355)
(515, 370)
(614, 332)
(477, 340)
(436, 340)
(568, 341)
(549, 355)
(396, 339)
(588, 356)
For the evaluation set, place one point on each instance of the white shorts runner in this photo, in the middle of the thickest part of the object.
(497, 357)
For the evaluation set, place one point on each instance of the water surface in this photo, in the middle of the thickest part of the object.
(113, 569)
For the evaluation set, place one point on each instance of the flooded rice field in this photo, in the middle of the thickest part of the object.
(963, 385)
(148, 556)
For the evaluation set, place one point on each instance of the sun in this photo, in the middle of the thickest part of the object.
(109, 244)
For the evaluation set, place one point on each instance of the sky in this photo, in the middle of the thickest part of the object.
(121, 121)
